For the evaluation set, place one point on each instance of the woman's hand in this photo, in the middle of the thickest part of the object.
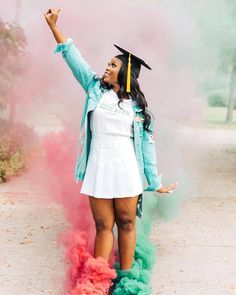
(167, 189)
(51, 17)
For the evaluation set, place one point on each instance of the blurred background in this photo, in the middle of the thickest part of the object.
(191, 47)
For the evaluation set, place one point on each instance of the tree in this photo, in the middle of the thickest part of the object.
(231, 102)
(13, 63)
(217, 21)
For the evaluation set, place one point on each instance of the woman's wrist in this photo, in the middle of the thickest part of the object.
(160, 186)
(60, 38)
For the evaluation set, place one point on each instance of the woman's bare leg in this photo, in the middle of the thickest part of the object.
(125, 217)
(103, 215)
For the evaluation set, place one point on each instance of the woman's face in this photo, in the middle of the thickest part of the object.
(111, 74)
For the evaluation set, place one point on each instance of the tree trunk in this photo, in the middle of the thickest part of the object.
(12, 112)
(231, 102)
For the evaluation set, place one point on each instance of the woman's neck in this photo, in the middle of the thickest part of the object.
(116, 88)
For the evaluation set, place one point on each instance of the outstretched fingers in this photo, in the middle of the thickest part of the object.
(171, 187)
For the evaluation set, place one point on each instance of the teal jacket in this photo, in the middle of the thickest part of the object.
(144, 142)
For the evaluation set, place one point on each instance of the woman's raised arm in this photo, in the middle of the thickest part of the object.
(79, 67)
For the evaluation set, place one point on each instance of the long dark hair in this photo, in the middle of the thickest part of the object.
(135, 93)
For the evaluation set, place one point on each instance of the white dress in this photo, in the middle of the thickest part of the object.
(112, 169)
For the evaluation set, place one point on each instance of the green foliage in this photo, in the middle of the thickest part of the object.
(218, 98)
(15, 144)
(15, 62)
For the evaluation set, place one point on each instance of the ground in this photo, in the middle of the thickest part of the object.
(196, 250)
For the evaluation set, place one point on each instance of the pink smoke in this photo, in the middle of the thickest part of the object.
(86, 274)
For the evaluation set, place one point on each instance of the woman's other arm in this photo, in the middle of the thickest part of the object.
(150, 164)
(150, 160)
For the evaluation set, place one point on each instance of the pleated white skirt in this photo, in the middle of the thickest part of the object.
(112, 169)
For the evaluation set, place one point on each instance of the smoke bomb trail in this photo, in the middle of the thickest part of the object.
(86, 274)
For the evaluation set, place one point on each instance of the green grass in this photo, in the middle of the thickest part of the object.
(215, 117)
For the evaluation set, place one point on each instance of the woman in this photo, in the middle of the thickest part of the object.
(116, 145)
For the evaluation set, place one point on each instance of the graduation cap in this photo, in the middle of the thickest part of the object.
(134, 65)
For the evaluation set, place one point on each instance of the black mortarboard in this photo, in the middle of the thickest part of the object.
(135, 64)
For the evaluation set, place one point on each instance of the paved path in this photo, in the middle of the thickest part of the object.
(197, 250)
(31, 261)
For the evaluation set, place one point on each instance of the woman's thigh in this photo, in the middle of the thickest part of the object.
(103, 212)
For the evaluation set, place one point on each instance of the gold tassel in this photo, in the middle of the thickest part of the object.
(128, 74)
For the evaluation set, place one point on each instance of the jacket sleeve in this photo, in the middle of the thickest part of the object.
(79, 67)
(150, 160)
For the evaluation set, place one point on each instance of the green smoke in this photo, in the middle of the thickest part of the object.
(137, 280)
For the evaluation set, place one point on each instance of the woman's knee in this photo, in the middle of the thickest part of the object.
(103, 225)
(103, 213)
(125, 222)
